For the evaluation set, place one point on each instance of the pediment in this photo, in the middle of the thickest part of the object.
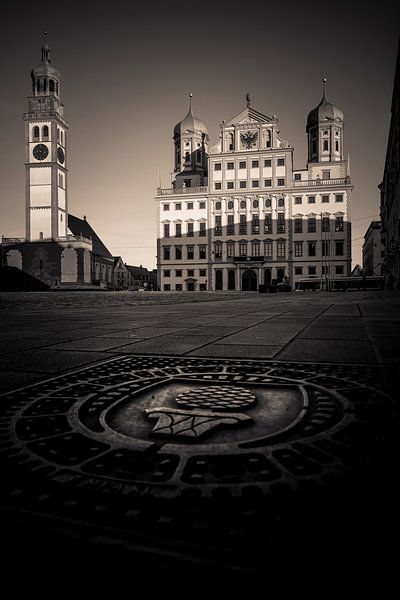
(249, 115)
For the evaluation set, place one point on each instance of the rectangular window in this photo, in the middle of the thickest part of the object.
(242, 164)
(230, 185)
(166, 253)
(178, 230)
(312, 248)
(202, 251)
(190, 231)
(190, 273)
(230, 166)
(202, 204)
(311, 200)
(242, 184)
(230, 249)
(203, 273)
(312, 225)
(187, 182)
(218, 225)
(178, 287)
(339, 224)
(178, 206)
(324, 199)
(255, 249)
(267, 163)
(281, 181)
(165, 206)
(298, 200)
(203, 286)
(166, 230)
(325, 248)
(326, 174)
(167, 273)
(189, 205)
(326, 223)
(268, 249)
(167, 287)
(217, 166)
(218, 251)
(298, 248)
(190, 252)
(218, 185)
(281, 223)
(268, 182)
(178, 252)
(231, 226)
(243, 248)
(339, 247)
(243, 225)
(312, 270)
(254, 164)
(178, 273)
(280, 162)
(255, 183)
(298, 270)
(298, 225)
(280, 249)
(268, 223)
(297, 176)
(339, 269)
(202, 230)
(338, 197)
(255, 224)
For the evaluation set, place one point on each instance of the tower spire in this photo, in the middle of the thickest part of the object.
(190, 102)
(45, 50)
(324, 82)
(248, 99)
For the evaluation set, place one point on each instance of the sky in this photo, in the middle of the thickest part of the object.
(127, 71)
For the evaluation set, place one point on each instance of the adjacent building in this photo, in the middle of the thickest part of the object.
(240, 215)
(373, 250)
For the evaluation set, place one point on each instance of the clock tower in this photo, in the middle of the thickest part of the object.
(45, 155)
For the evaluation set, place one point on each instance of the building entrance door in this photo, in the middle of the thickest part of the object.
(267, 276)
(249, 281)
(280, 274)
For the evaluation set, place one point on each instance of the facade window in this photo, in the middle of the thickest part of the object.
(312, 249)
(230, 141)
(166, 230)
(324, 199)
(281, 223)
(312, 225)
(167, 273)
(267, 163)
(178, 287)
(280, 162)
(203, 273)
(36, 133)
(325, 248)
(281, 181)
(190, 273)
(218, 225)
(166, 252)
(178, 230)
(268, 182)
(231, 226)
(178, 252)
(339, 224)
(218, 250)
(268, 203)
(190, 252)
(312, 270)
(298, 200)
(298, 248)
(243, 225)
(187, 157)
(178, 206)
(217, 167)
(298, 225)
(339, 270)
(218, 205)
(297, 176)
(337, 146)
(45, 132)
(243, 248)
(255, 224)
(339, 247)
(198, 156)
(255, 183)
(203, 286)
(165, 206)
(243, 204)
(190, 232)
(268, 249)
(326, 174)
(167, 287)
(298, 270)
(202, 251)
(268, 224)
(338, 197)
(280, 249)
(202, 230)
(255, 248)
(230, 249)
(281, 202)
(311, 200)
(326, 145)
(254, 164)
(230, 166)
(242, 164)
(218, 185)
(230, 204)
(178, 273)
(326, 224)
(230, 185)
(255, 203)
(202, 204)
(242, 184)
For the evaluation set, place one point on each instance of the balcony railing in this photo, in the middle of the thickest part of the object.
(323, 182)
(248, 258)
(14, 240)
(185, 190)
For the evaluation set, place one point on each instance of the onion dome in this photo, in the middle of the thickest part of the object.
(45, 70)
(190, 124)
(325, 111)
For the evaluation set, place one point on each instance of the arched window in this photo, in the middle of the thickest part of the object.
(326, 145)
(231, 279)
(198, 156)
(57, 88)
(58, 135)
(337, 146)
(62, 137)
(230, 204)
(230, 141)
(218, 279)
(44, 85)
(269, 139)
(255, 203)
(281, 202)
(51, 85)
(36, 133)
(45, 132)
(38, 85)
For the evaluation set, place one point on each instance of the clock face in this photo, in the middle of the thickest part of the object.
(249, 139)
(40, 151)
(60, 155)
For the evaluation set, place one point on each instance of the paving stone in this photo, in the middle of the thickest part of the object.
(236, 351)
(52, 361)
(334, 333)
(349, 351)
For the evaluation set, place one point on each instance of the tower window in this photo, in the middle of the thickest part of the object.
(57, 88)
(36, 133)
(337, 146)
(198, 156)
(38, 85)
(187, 156)
(45, 85)
(45, 132)
(326, 145)
(62, 137)
(61, 217)
(51, 85)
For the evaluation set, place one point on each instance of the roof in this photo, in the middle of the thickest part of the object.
(136, 271)
(82, 227)
(190, 124)
(325, 111)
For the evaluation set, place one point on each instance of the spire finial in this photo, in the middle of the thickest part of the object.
(248, 99)
(190, 101)
(45, 50)
(324, 82)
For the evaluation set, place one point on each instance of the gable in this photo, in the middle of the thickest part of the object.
(249, 115)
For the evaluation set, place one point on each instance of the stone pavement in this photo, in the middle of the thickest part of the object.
(236, 435)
